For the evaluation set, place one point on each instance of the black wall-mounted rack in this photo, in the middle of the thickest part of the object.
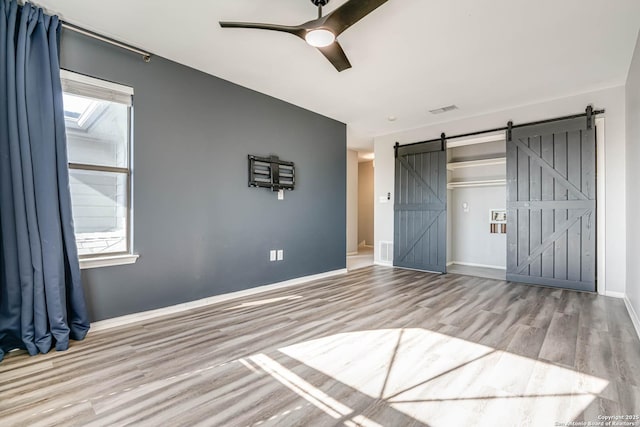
(271, 172)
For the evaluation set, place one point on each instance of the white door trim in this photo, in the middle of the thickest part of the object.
(600, 207)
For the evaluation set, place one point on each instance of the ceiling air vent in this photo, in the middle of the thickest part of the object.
(443, 109)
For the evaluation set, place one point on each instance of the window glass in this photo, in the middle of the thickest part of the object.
(97, 118)
(99, 211)
(96, 131)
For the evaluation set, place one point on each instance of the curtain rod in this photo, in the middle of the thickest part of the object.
(146, 56)
(444, 137)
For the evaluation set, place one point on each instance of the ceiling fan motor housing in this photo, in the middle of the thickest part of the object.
(320, 2)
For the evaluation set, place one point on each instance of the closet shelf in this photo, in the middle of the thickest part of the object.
(473, 163)
(477, 183)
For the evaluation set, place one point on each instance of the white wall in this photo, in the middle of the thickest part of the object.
(352, 201)
(471, 240)
(633, 181)
(613, 100)
(365, 202)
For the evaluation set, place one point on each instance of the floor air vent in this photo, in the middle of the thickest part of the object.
(386, 251)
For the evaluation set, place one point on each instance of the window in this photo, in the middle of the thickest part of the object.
(97, 117)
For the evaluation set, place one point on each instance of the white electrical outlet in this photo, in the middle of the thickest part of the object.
(272, 255)
(280, 254)
(280, 194)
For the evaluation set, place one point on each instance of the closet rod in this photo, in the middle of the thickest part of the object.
(146, 56)
(594, 112)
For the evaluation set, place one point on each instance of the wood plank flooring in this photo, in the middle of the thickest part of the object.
(364, 258)
(375, 347)
(487, 273)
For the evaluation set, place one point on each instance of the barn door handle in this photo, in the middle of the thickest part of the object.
(589, 227)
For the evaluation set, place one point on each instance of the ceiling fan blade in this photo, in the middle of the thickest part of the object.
(350, 13)
(295, 30)
(336, 56)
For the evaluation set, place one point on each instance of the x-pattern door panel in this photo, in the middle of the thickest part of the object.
(551, 202)
(420, 207)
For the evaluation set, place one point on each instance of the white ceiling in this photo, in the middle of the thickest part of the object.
(408, 56)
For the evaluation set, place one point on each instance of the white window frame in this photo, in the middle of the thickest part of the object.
(79, 84)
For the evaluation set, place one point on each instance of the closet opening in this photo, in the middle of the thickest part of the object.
(476, 214)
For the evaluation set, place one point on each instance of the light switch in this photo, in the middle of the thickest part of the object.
(280, 254)
(280, 194)
(272, 255)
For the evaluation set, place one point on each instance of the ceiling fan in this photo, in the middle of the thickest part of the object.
(321, 33)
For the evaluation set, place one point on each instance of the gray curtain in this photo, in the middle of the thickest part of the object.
(41, 299)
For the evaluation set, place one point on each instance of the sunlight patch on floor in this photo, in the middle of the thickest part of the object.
(443, 381)
(312, 394)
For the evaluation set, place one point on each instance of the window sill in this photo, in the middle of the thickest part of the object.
(108, 261)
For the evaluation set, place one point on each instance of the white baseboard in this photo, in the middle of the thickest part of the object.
(615, 294)
(471, 264)
(352, 253)
(632, 313)
(146, 315)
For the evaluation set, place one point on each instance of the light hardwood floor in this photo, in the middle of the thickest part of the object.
(364, 258)
(487, 273)
(378, 346)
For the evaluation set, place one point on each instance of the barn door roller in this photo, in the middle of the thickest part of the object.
(589, 116)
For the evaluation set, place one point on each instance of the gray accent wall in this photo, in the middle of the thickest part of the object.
(632, 155)
(199, 229)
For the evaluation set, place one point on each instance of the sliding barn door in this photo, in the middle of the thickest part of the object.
(420, 223)
(551, 203)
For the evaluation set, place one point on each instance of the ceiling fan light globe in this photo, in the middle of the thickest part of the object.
(320, 38)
